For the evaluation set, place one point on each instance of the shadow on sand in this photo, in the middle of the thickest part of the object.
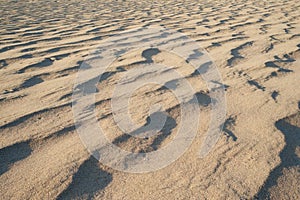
(88, 180)
(287, 155)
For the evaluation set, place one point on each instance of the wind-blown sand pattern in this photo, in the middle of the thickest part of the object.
(256, 47)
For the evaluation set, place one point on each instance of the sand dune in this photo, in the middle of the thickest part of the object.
(256, 47)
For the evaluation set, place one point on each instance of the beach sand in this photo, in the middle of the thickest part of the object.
(255, 45)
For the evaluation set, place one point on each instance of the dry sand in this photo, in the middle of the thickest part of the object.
(256, 47)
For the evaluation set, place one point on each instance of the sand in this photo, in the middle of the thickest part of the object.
(255, 46)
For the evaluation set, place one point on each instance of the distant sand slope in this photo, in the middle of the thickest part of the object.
(256, 46)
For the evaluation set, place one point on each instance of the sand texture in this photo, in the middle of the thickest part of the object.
(255, 45)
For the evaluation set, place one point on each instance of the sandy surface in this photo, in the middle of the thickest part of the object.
(255, 45)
